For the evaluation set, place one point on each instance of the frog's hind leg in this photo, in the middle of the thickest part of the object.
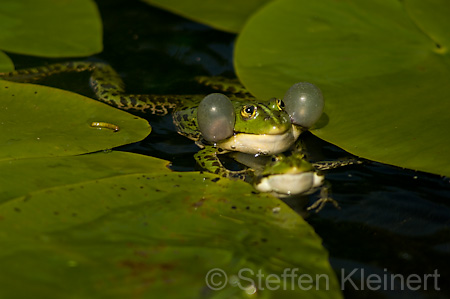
(109, 88)
(327, 165)
(106, 83)
(37, 73)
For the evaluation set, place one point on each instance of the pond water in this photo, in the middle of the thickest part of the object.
(391, 220)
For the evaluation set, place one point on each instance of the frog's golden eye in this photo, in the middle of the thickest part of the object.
(248, 111)
(280, 104)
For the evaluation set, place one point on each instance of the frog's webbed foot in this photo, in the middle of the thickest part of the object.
(327, 165)
(319, 204)
(223, 84)
(208, 159)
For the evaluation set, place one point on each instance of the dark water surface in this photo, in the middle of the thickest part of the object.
(391, 221)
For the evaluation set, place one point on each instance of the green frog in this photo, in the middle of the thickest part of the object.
(284, 176)
(217, 123)
(291, 176)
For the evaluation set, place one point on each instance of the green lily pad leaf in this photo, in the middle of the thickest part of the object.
(383, 79)
(39, 121)
(223, 15)
(49, 172)
(50, 28)
(156, 232)
(432, 17)
(6, 63)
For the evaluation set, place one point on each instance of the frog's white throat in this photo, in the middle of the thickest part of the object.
(284, 185)
(261, 144)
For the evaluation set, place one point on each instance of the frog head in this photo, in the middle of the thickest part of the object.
(259, 127)
(246, 126)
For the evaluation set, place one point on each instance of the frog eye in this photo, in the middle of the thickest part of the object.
(216, 117)
(304, 103)
(280, 104)
(248, 111)
(276, 158)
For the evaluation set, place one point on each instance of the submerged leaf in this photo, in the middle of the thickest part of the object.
(38, 121)
(383, 79)
(156, 232)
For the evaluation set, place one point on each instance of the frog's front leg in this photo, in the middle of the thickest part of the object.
(208, 159)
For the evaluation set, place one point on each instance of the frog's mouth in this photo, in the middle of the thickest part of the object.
(261, 144)
(283, 185)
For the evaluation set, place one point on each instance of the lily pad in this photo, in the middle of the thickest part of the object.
(150, 234)
(6, 63)
(223, 15)
(50, 172)
(432, 18)
(50, 28)
(382, 73)
(38, 121)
